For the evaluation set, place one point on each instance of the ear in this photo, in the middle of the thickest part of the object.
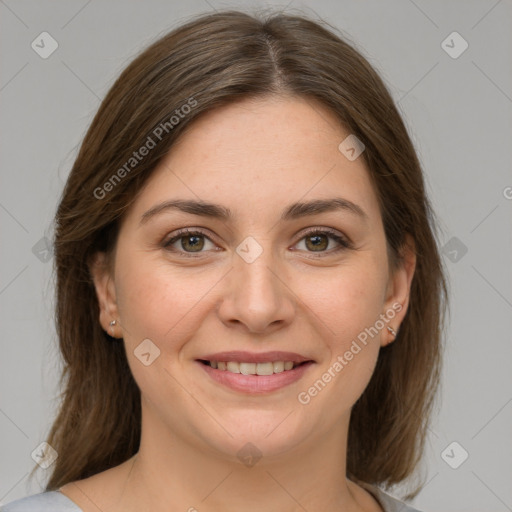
(399, 288)
(106, 293)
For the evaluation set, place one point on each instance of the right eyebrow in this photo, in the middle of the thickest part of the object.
(188, 206)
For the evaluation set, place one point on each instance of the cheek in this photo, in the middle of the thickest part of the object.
(157, 301)
(346, 299)
(160, 304)
(349, 301)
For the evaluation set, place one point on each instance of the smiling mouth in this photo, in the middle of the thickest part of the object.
(255, 378)
(261, 369)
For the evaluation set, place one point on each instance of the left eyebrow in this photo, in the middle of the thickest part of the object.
(292, 212)
(298, 210)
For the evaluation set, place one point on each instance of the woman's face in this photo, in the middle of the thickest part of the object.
(276, 275)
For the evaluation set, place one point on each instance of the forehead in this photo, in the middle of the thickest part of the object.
(258, 154)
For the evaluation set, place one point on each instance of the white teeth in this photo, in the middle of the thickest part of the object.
(268, 368)
(233, 367)
(247, 368)
(265, 368)
(278, 366)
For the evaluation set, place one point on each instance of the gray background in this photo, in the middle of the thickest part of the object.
(458, 112)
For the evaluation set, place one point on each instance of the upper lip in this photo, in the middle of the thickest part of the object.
(254, 357)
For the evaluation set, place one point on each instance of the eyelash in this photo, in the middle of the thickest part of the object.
(344, 242)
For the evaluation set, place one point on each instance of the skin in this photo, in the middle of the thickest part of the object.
(254, 157)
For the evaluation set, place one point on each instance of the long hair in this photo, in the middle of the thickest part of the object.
(210, 61)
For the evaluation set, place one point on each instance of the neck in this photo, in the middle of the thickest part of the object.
(169, 470)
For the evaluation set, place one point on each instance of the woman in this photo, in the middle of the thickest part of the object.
(249, 293)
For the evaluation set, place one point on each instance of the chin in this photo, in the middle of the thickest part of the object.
(256, 435)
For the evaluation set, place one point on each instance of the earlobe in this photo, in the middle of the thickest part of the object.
(105, 292)
(391, 331)
(388, 336)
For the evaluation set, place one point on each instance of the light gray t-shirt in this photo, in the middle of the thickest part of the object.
(55, 501)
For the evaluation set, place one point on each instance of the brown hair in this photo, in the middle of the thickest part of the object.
(211, 61)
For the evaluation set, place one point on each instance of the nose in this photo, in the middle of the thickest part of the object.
(256, 296)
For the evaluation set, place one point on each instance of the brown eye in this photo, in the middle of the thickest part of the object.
(188, 242)
(317, 242)
(192, 242)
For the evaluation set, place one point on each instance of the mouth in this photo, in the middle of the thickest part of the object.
(255, 377)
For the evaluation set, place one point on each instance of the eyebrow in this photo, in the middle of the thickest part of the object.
(292, 212)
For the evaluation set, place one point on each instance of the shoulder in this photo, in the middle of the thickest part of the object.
(387, 502)
(52, 501)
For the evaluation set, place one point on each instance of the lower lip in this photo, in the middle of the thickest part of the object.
(256, 383)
